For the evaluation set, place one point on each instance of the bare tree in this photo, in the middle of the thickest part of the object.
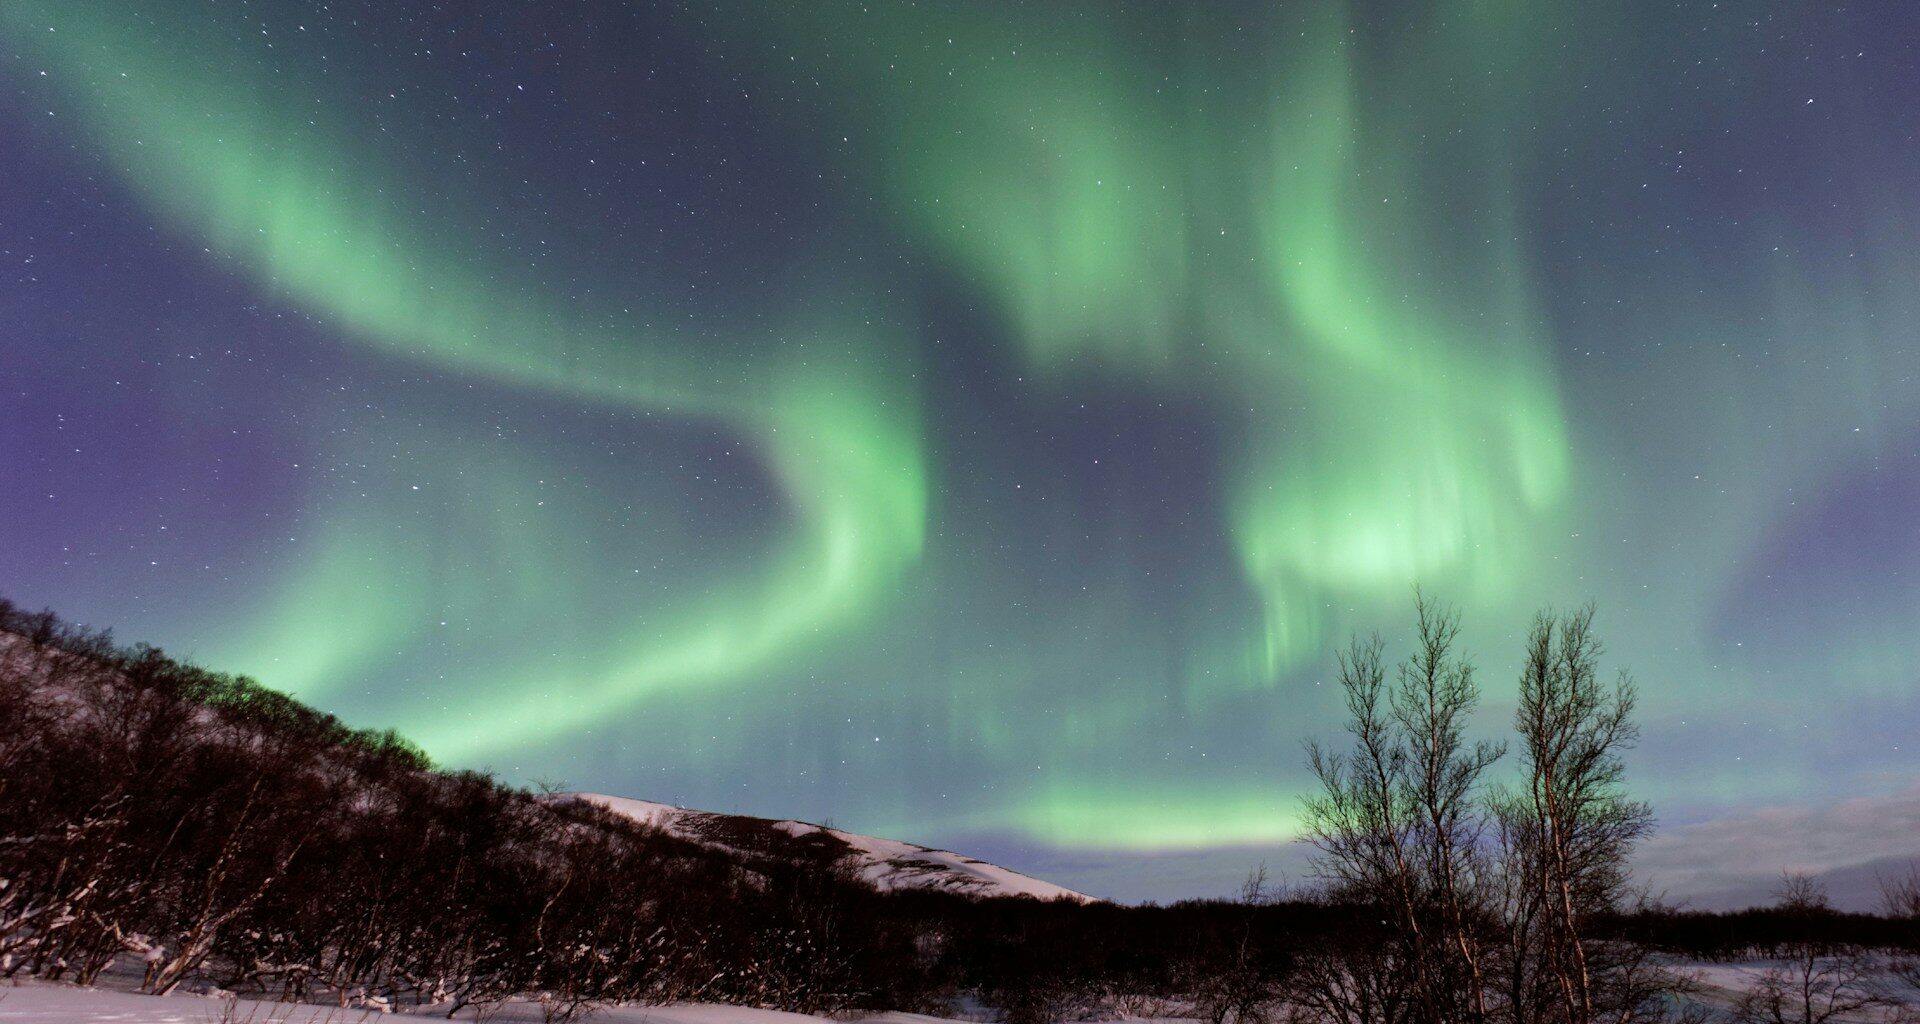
(212, 897)
(1400, 820)
(1486, 897)
(1363, 829)
(1436, 695)
(1234, 985)
(1572, 827)
(1816, 981)
(1900, 898)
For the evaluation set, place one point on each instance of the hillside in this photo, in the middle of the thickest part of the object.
(161, 834)
(887, 864)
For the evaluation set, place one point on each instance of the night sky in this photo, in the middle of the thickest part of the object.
(973, 422)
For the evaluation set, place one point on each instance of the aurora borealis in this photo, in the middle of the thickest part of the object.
(976, 422)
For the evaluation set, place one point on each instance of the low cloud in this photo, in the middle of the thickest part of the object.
(1736, 860)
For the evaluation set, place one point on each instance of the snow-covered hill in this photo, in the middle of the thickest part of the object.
(885, 863)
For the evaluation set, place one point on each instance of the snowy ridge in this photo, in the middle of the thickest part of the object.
(886, 864)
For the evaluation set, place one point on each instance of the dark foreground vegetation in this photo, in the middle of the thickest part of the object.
(205, 831)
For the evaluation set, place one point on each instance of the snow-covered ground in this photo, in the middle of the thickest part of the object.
(1722, 985)
(32, 1003)
(885, 863)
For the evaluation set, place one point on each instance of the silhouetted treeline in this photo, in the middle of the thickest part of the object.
(1758, 932)
(201, 829)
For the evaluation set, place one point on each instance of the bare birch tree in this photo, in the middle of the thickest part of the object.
(1400, 820)
(1573, 825)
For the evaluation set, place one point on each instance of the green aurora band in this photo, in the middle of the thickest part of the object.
(1314, 227)
(1396, 422)
(830, 411)
(1259, 238)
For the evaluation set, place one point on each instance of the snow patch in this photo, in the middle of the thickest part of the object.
(887, 864)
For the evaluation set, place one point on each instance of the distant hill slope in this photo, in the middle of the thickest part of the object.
(885, 863)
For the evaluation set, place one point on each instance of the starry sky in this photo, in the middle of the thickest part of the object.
(978, 422)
